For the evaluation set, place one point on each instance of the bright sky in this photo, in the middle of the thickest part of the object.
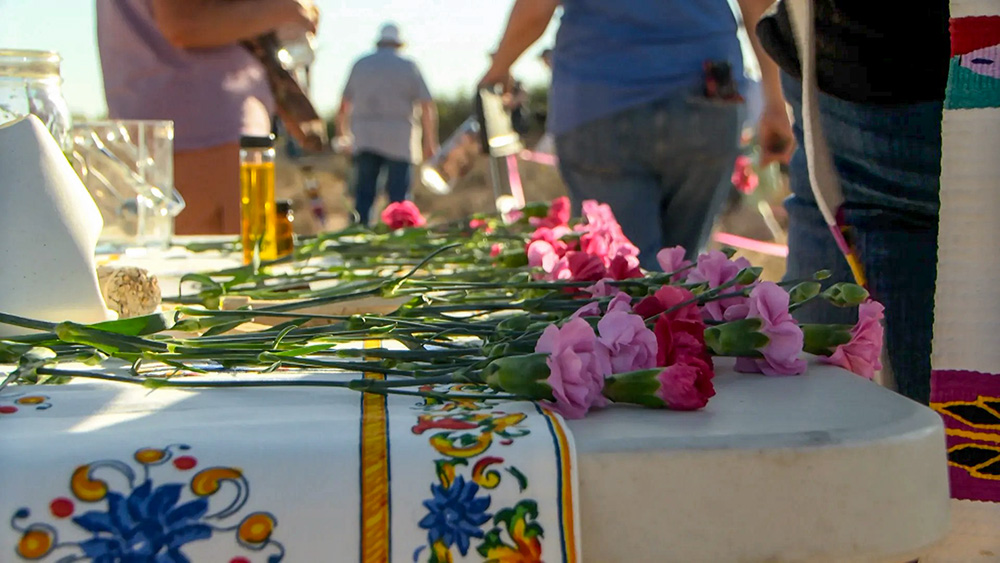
(449, 39)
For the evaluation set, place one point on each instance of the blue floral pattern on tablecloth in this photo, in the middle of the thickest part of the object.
(467, 433)
(167, 505)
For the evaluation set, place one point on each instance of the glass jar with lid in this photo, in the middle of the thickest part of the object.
(30, 84)
(257, 213)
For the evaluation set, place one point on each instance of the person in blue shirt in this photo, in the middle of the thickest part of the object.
(635, 125)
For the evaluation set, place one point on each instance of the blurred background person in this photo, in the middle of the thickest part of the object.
(377, 121)
(182, 60)
(882, 89)
(646, 110)
(547, 143)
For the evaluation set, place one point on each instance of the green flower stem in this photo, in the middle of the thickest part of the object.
(316, 301)
(491, 307)
(823, 340)
(795, 306)
(295, 335)
(698, 299)
(25, 322)
(248, 314)
(665, 277)
(69, 373)
(736, 338)
(406, 355)
(108, 342)
(377, 384)
(39, 338)
(421, 343)
(554, 285)
(329, 364)
(157, 383)
(451, 396)
(182, 382)
(397, 324)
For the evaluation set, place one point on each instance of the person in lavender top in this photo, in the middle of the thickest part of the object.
(182, 60)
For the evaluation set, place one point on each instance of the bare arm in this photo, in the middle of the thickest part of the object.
(774, 130)
(192, 24)
(429, 123)
(526, 23)
(344, 117)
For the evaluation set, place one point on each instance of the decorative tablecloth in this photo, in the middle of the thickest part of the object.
(116, 472)
(821, 467)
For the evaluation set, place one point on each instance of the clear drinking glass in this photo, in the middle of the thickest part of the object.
(30, 84)
(128, 167)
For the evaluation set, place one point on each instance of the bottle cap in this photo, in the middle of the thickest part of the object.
(256, 142)
(283, 206)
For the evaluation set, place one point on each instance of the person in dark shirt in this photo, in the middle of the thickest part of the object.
(882, 85)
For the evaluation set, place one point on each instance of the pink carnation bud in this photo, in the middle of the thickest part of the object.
(862, 354)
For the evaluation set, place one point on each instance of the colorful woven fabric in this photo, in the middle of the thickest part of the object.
(974, 75)
(965, 383)
(969, 402)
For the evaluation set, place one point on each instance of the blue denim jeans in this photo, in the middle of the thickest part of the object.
(368, 167)
(663, 167)
(889, 162)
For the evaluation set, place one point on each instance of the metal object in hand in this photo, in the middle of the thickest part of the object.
(454, 159)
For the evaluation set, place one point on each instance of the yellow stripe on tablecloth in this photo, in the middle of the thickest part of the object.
(566, 492)
(374, 473)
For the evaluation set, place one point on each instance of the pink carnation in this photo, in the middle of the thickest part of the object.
(686, 380)
(602, 289)
(602, 234)
(666, 297)
(580, 266)
(591, 309)
(578, 364)
(714, 269)
(630, 344)
(598, 214)
(680, 334)
(744, 178)
(686, 385)
(624, 267)
(542, 255)
(672, 260)
(513, 216)
(480, 224)
(596, 244)
(400, 214)
(550, 234)
(620, 302)
(558, 215)
(769, 303)
(862, 354)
